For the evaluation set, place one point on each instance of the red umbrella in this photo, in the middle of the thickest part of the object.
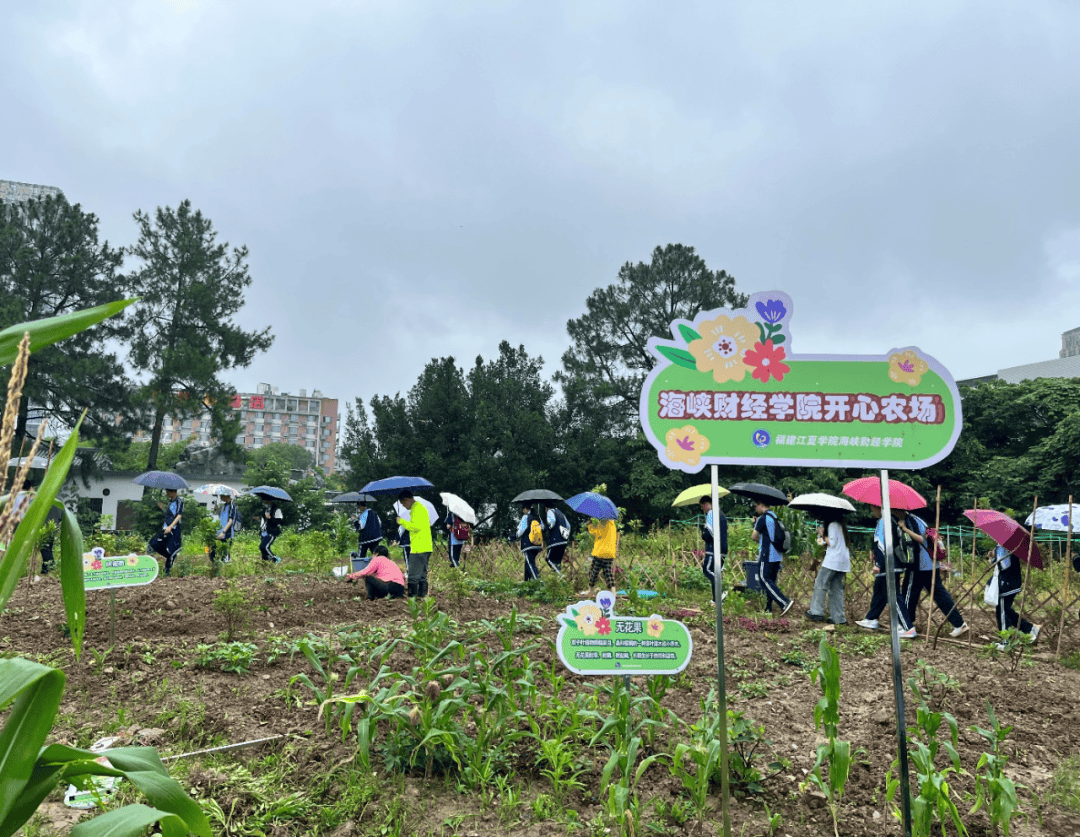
(1008, 533)
(868, 490)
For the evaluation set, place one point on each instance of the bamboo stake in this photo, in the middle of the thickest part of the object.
(933, 571)
(1068, 572)
(1027, 573)
(974, 538)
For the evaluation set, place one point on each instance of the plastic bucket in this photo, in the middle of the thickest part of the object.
(753, 580)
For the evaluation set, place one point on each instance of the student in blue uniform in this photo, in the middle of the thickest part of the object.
(368, 528)
(459, 532)
(270, 524)
(708, 565)
(920, 574)
(1010, 581)
(529, 549)
(769, 557)
(166, 543)
(228, 519)
(556, 536)
(880, 597)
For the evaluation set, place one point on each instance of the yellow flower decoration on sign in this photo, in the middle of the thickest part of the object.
(907, 367)
(723, 343)
(586, 618)
(655, 627)
(685, 444)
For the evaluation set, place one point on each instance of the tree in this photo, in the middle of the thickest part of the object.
(190, 286)
(608, 360)
(51, 263)
(359, 451)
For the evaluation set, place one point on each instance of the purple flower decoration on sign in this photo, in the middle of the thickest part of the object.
(606, 601)
(772, 311)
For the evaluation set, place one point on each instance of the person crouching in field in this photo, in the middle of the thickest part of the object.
(605, 546)
(382, 577)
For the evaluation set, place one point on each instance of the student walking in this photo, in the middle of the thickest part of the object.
(880, 597)
(605, 547)
(530, 535)
(765, 534)
(270, 526)
(829, 584)
(166, 543)
(920, 574)
(459, 533)
(418, 527)
(1010, 581)
(556, 537)
(708, 563)
(228, 519)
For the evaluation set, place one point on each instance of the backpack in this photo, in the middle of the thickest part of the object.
(235, 516)
(782, 543)
(562, 526)
(536, 533)
(460, 529)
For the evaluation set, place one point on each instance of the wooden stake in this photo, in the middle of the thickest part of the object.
(1068, 572)
(933, 572)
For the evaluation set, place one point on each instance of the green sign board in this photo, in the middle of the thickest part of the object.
(101, 572)
(594, 640)
(728, 390)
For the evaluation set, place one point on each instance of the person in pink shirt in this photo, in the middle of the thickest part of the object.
(382, 577)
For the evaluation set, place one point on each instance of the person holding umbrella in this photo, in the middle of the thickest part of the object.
(418, 526)
(1010, 581)
(920, 574)
(368, 528)
(270, 526)
(829, 584)
(708, 563)
(166, 543)
(880, 597)
(228, 519)
(459, 533)
(556, 536)
(530, 535)
(766, 534)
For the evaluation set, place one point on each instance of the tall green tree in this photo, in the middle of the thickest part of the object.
(191, 286)
(52, 263)
(608, 359)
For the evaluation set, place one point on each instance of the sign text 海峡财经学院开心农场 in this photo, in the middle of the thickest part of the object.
(728, 390)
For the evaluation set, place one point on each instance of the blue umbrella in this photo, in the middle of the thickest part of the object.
(161, 479)
(594, 505)
(395, 485)
(272, 492)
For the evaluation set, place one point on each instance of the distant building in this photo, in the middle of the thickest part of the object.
(1065, 365)
(267, 416)
(12, 191)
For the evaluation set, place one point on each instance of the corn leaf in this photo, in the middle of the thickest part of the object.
(129, 821)
(46, 332)
(71, 576)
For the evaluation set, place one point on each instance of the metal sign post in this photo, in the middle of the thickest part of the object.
(718, 597)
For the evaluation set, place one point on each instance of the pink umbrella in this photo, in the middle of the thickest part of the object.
(868, 490)
(1008, 533)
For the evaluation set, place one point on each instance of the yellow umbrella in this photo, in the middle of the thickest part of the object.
(692, 496)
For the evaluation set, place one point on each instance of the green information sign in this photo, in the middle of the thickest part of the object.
(728, 390)
(593, 640)
(102, 572)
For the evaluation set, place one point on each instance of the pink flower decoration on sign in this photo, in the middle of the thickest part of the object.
(768, 361)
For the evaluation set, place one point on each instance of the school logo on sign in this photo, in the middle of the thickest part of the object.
(727, 389)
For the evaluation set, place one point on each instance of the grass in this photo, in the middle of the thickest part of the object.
(1065, 784)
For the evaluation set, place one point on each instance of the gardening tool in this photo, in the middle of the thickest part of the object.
(161, 479)
(594, 505)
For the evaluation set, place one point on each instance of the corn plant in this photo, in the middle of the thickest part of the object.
(621, 803)
(834, 753)
(29, 770)
(993, 789)
(934, 801)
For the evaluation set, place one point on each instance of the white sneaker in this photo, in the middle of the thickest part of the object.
(910, 633)
(955, 632)
(1035, 632)
(790, 604)
(723, 595)
(869, 624)
(1000, 646)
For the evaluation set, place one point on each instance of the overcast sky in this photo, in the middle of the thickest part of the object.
(416, 180)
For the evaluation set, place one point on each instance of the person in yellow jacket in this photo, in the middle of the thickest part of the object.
(605, 545)
(419, 528)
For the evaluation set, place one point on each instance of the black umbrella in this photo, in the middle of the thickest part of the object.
(354, 497)
(536, 494)
(161, 479)
(760, 493)
(273, 492)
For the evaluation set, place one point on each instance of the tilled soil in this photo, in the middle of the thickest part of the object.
(158, 628)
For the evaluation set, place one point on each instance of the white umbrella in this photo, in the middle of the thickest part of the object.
(459, 507)
(433, 516)
(817, 501)
(1054, 518)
